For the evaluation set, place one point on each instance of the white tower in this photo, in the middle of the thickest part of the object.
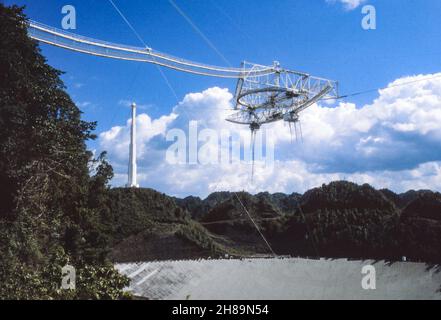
(132, 183)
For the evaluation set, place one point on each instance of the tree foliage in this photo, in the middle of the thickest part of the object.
(345, 220)
(52, 210)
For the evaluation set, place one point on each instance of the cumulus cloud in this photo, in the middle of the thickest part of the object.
(117, 139)
(392, 142)
(348, 4)
(399, 130)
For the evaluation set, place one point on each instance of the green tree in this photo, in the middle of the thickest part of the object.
(52, 210)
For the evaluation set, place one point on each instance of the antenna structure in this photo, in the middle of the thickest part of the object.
(264, 94)
(281, 95)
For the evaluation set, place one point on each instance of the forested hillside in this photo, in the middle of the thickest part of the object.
(52, 190)
(57, 207)
(148, 225)
(340, 219)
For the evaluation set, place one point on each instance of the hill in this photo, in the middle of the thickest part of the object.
(340, 219)
(231, 220)
(198, 207)
(403, 199)
(426, 205)
(148, 225)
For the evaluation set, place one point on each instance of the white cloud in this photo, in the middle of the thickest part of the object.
(117, 139)
(348, 4)
(392, 142)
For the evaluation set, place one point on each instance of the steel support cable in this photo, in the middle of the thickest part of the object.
(228, 70)
(255, 224)
(233, 22)
(211, 45)
(144, 44)
(225, 60)
(358, 93)
(198, 31)
(308, 230)
(128, 23)
(253, 144)
(172, 90)
(168, 83)
(234, 72)
(132, 83)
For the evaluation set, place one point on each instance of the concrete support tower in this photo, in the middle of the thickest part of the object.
(132, 183)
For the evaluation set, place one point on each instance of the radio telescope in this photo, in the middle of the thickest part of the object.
(281, 95)
(264, 94)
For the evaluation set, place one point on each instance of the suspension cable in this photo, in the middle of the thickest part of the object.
(129, 24)
(358, 93)
(173, 91)
(308, 230)
(198, 31)
(255, 224)
(168, 83)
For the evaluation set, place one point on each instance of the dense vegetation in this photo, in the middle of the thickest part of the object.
(340, 219)
(56, 207)
(52, 207)
(149, 225)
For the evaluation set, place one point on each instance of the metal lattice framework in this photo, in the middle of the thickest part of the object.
(281, 95)
(264, 94)
(74, 42)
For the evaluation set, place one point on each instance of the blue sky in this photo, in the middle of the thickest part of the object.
(320, 37)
